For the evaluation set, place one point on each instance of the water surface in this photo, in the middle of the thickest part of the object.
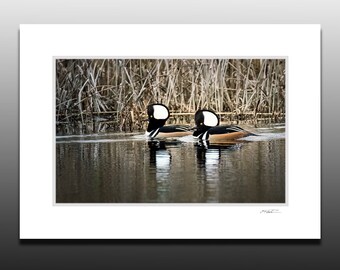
(128, 168)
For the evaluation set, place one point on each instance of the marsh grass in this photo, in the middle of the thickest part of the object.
(99, 94)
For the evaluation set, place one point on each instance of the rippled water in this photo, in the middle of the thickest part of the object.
(127, 168)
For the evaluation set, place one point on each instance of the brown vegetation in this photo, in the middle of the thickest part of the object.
(116, 92)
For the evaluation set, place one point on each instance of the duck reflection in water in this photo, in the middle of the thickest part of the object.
(160, 158)
(209, 155)
(158, 150)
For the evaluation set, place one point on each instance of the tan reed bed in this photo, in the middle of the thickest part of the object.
(116, 92)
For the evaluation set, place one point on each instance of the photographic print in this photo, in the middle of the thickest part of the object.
(189, 131)
(170, 130)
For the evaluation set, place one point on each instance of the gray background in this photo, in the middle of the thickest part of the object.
(201, 254)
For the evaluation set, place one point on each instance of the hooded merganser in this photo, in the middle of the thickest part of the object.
(207, 128)
(157, 116)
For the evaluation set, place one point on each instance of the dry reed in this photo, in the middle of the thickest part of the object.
(116, 92)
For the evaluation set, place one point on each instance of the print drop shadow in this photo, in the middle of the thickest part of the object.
(168, 242)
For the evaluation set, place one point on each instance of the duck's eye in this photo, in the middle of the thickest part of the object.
(150, 116)
(201, 124)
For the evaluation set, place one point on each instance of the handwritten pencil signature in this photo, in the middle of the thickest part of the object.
(270, 211)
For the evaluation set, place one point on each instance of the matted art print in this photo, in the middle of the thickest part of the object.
(170, 131)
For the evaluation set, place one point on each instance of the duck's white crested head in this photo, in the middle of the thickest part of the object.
(157, 116)
(160, 112)
(210, 119)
